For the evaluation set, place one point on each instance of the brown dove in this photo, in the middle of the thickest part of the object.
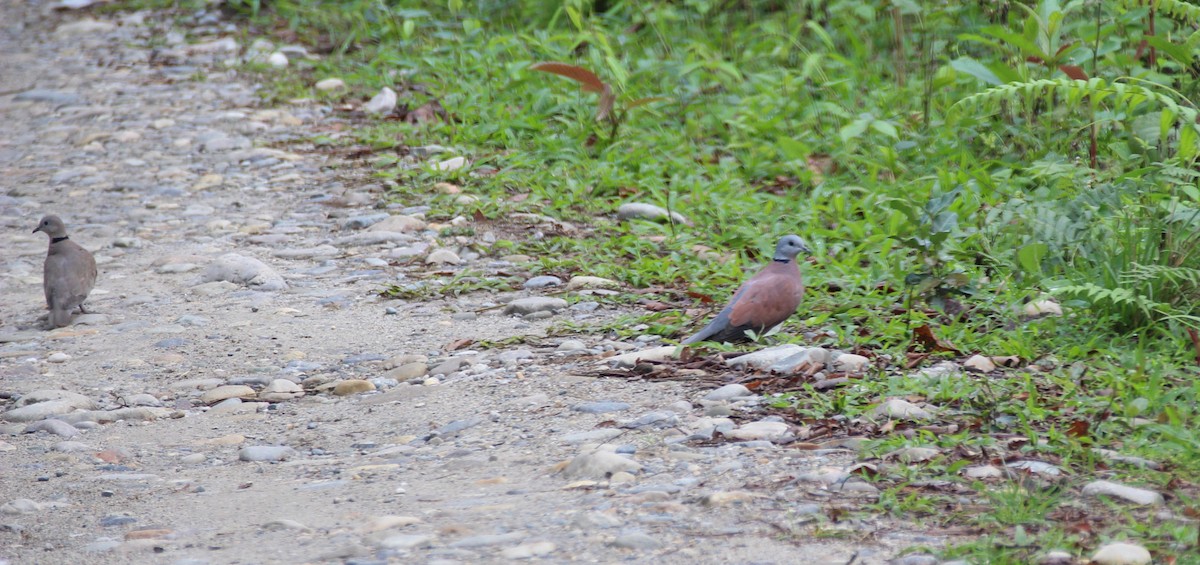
(69, 273)
(764, 301)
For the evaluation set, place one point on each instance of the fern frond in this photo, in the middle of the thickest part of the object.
(1119, 97)
(1174, 9)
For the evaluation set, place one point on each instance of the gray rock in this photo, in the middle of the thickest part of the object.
(636, 540)
(55, 97)
(488, 540)
(542, 282)
(459, 425)
(382, 103)
(39, 411)
(248, 271)
(601, 435)
(851, 363)
(364, 221)
(915, 559)
(653, 420)
(901, 409)
(764, 358)
(406, 541)
(1135, 495)
(266, 453)
(803, 359)
(728, 392)
(600, 407)
(626, 360)
(599, 465)
(530, 305)
(56, 427)
(446, 367)
(1121, 553)
(650, 212)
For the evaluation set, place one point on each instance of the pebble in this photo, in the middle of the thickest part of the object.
(330, 84)
(915, 559)
(353, 386)
(529, 550)
(1045, 307)
(979, 363)
(571, 345)
(247, 271)
(382, 103)
(1135, 495)
(728, 392)
(225, 392)
(764, 358)
(56, 427)
(583, 281)
(406, 541)
(599, 465)
(443, 257)
(398, 224)
(533, 304)
(542, 282)
(761, 430)
(454, 164)
(650, 212)
(600, 407)
(901, 409)
(851, 363)
(1121, 553)
(801, 360)
(636, 540)
(266, 453)
(58, 357)
(627, 360)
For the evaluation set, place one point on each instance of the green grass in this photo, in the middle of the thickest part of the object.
(937, 157)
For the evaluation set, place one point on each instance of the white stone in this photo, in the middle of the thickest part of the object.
(980, 363)
(330, 84)
(626, 360)
(764, 357)
(851, 363)
(759, 431)
(1121, 553)
(277, 60)
(1044, 307)
(443, 257)
(383, 103)
(451, 164)
(900, 408)
(1135, 495)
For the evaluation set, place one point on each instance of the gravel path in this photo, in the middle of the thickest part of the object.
(241, 394)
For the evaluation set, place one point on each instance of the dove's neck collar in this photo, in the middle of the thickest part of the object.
(58, 239)
(784, 260)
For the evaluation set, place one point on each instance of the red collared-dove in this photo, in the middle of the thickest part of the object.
(69, 274)
(762, 302)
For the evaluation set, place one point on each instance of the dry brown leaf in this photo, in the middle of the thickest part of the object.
(589, 81)
(924, 336)
(458, 344)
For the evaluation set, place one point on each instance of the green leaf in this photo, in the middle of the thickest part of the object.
(855, 129)
(886, 128)
(945, 222)
(1181, 53)
(1030, 257)
(976, 69)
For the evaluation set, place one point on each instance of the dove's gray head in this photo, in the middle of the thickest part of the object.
(51, 226)
(789, 247)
